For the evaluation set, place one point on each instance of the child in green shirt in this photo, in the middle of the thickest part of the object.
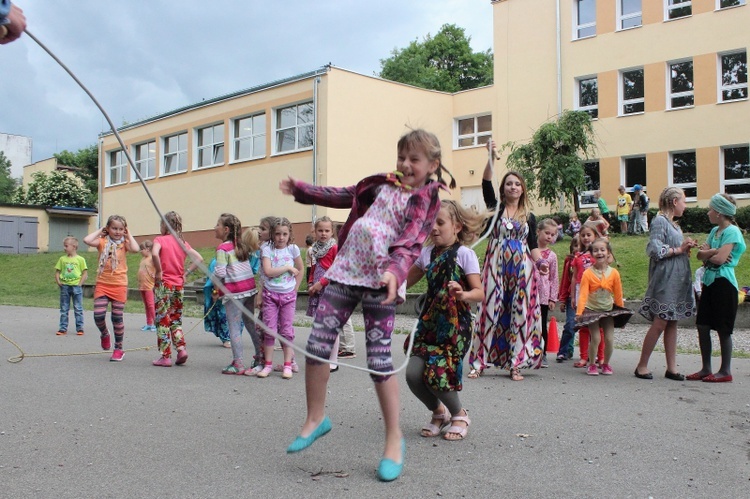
(70, 274)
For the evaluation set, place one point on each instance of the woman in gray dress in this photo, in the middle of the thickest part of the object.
(669, 296)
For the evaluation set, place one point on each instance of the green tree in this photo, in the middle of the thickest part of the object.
(443, 62)
(7, 183)
(54, 189)
(86, 162)
(552, 162)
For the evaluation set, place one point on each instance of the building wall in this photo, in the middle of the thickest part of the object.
(43, 227)
(17, 149)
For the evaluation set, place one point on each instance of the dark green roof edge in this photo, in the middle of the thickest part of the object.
(239, 93)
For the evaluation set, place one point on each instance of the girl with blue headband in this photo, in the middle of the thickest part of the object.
(718, 304)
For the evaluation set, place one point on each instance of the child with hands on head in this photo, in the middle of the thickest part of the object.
(236, 265)
(113, 241)
(283, 269)
(549, 284)
(717, 308)
(169, 262)
(601, 304)
(391, 216)
(443, 333)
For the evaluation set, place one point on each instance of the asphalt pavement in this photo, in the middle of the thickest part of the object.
(76, 426)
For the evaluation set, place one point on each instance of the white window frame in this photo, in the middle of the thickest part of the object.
(296, 127)
(588, 109)
(251, 138)
(669, 6)
(590, 193)
(149, 160)
(624, 171)
(624, 17)
(719, 7)
(578, 27)
(722, 167)
(215, 147)
(117, 164)
(475, 135)
(683, 185)
(178, 154)
(621, 93)
(737, 86)
(676, 95)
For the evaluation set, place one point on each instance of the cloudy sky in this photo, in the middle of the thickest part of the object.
(143, 57)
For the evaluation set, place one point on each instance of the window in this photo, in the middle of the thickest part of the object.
(635, 171)
(294, 127)
(211, 146)
(675, 9)
(249, 137)
(683, 173)
(588, 96)
(145, 159)
(723, 4)
(591, 175)
(118, 163)
(733, 84)
(585, 18)
(680, 84)
(628, 14)
(632, 92)
(736, 164)
(473, 131)
(175, 154)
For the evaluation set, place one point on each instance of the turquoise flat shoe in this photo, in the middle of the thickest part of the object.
(302, 443)
(389, 469)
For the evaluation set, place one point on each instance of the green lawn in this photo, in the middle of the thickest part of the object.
(29, 280)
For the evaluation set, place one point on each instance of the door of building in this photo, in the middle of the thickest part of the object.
(18, 235)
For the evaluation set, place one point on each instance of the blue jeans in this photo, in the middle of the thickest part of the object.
(66, 294)
(569, 334)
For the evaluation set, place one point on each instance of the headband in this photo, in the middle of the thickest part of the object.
(722, 205)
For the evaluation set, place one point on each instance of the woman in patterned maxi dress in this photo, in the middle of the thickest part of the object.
(508, 331)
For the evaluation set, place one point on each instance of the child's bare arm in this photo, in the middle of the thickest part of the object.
(475, 293)
(93, 238)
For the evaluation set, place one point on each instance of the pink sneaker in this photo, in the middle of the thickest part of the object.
(268, 369)
(182, 357)
(295, 367)
(117, 355)
(607, 370)
(592, 370)
(106, 342)
(163, 362)
(287, 372)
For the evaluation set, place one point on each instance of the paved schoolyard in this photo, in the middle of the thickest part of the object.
(81, 426)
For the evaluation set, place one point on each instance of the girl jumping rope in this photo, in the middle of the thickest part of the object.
(391, 216)
(600, 305)
(717, 307)
(283, 270)
(169, 261)
(234, 268)
(443, 333)
(549, 284)
(113, 241)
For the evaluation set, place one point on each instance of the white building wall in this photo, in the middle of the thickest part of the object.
(17, 149)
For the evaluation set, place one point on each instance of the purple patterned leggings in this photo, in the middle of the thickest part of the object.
(335, 307)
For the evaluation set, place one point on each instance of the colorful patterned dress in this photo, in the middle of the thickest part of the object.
(444, 328)
(508, 332)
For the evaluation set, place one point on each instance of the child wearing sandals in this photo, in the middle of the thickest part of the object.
(236, 265)
(443, 333)
(600, 304)
(581, 262)
(717, 307)
(391, 216)
(549, 284)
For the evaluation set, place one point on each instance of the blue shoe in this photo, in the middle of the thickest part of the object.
(146, 328)
(152, 328)
(389, 469)
(302, 443)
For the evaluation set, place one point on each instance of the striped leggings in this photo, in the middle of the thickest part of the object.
(336, 306)
(100, 316)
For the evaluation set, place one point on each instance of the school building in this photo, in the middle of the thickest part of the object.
(664, 80)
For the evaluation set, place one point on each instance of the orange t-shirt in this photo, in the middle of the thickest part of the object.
(113, 283)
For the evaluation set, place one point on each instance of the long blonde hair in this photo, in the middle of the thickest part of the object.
(470, 221)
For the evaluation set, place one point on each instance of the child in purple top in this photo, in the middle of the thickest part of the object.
(391, 216)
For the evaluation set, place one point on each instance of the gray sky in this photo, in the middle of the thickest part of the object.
(143, 57)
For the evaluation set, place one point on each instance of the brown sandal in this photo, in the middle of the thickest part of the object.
(515, 374)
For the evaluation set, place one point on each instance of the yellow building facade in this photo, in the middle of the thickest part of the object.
(665, 81)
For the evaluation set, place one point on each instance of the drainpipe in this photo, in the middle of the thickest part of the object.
(100, 183)
(561, 198)
(316, 82)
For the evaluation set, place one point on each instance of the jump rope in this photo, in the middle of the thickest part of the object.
(199, 264)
